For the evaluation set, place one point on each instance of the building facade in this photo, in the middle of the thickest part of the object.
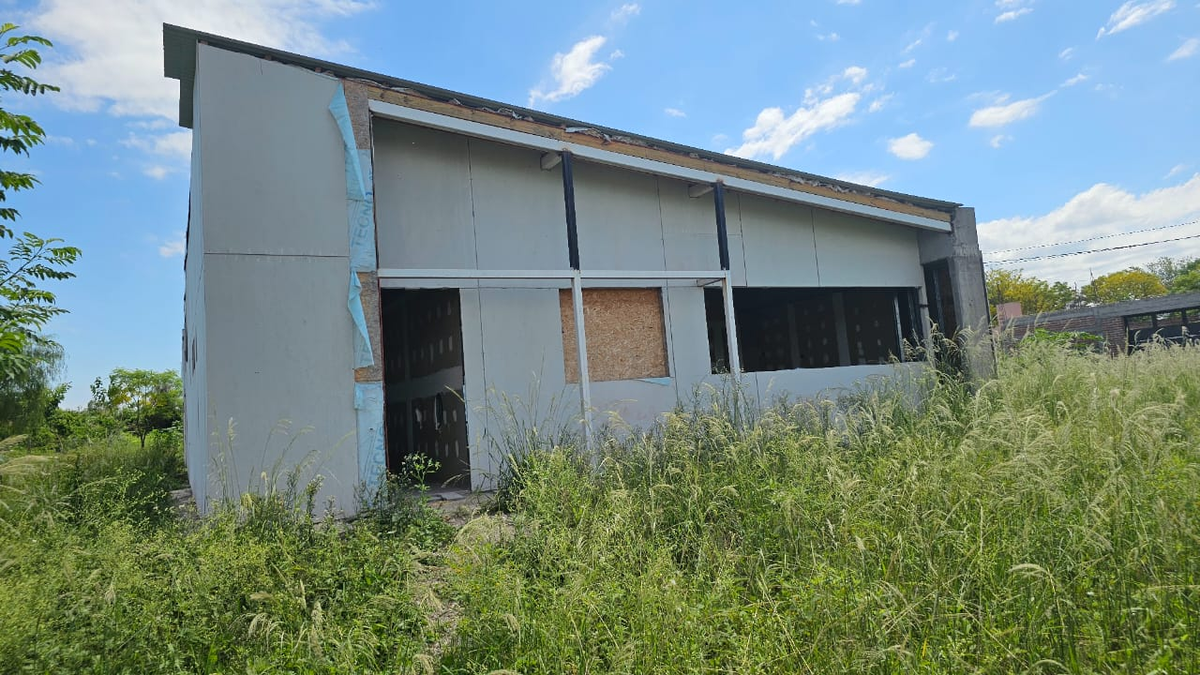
(377, 268)
(1122, 326)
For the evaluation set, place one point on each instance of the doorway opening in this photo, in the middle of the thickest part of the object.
(424, 412)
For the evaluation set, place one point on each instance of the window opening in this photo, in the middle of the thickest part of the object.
(791, 328)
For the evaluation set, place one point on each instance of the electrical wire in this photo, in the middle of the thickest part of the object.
(1095, 250)
(1096, 238)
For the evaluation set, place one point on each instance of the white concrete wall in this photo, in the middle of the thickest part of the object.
(273, 277)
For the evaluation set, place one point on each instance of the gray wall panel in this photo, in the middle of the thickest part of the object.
(778, 240)
(688, 339)
(620, 227)
(274, 164)
(422, 198)
(280, 339)
(827, 382)
(475, 388)
(523, 362)
(689, 227)
(855, 251)
(520, 218)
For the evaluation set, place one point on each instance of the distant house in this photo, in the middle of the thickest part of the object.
(1122, 325)
(385, 263)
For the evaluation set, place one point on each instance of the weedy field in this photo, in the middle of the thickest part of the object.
(1045, 521)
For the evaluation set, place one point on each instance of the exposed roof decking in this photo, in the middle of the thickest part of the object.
(180, 63)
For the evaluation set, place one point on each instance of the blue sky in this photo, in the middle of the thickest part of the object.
(1056, 120)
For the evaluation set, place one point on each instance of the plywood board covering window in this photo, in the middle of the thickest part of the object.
(626, 334)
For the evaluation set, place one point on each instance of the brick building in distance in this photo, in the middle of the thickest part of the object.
(1122, 325)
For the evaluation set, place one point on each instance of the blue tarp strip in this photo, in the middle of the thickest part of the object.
(368, 404)
(360, 216)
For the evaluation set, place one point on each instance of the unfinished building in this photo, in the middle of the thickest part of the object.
(390, 265)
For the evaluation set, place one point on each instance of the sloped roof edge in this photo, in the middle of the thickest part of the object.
(179, 63)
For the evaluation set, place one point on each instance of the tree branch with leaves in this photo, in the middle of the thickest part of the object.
(25, 306)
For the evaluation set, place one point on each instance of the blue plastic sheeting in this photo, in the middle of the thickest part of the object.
(360, 215)
(362, 339)
(660, 381)
(368, 404)
(360, 198)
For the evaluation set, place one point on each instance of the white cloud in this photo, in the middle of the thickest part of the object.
(110, 51)
(574, 71)
(879, 103)
(832, 37)
(625, 12)
(1003, 113)
(774, 133)
(65, 141)
(1013, 14)
(998, 140)
(855, 74)
(1175, 171)
(1102, 209)
(1075, 80)
(174, 247)
(910, 147)
(940, 75)
(176, 144)
(908, 64)
(912, 45)
(674, 112)
(868, 178)
(952, 36)
(1067, 54)
(1188, 49)
(158, 171)
(1134, 13)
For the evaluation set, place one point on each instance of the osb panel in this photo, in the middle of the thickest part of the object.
(360, 113)
(370, 302)
(625, 333)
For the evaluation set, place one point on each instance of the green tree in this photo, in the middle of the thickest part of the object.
(1167, 269)
(1188, 281)
(143, 400)
(24, 306)
(28, 399)
(1130, 284)
(1035, 295)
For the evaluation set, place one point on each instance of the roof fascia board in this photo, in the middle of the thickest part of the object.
(520, 138)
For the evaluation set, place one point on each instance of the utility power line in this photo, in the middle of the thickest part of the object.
(1095, 250)
(1096, 238)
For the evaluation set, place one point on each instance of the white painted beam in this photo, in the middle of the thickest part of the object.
(585, 379)
(480, 130)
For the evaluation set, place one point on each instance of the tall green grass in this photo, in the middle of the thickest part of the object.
(1043, 522)
(99, 574)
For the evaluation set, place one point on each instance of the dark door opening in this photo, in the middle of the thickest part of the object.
(423, 383)
(940, 293)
